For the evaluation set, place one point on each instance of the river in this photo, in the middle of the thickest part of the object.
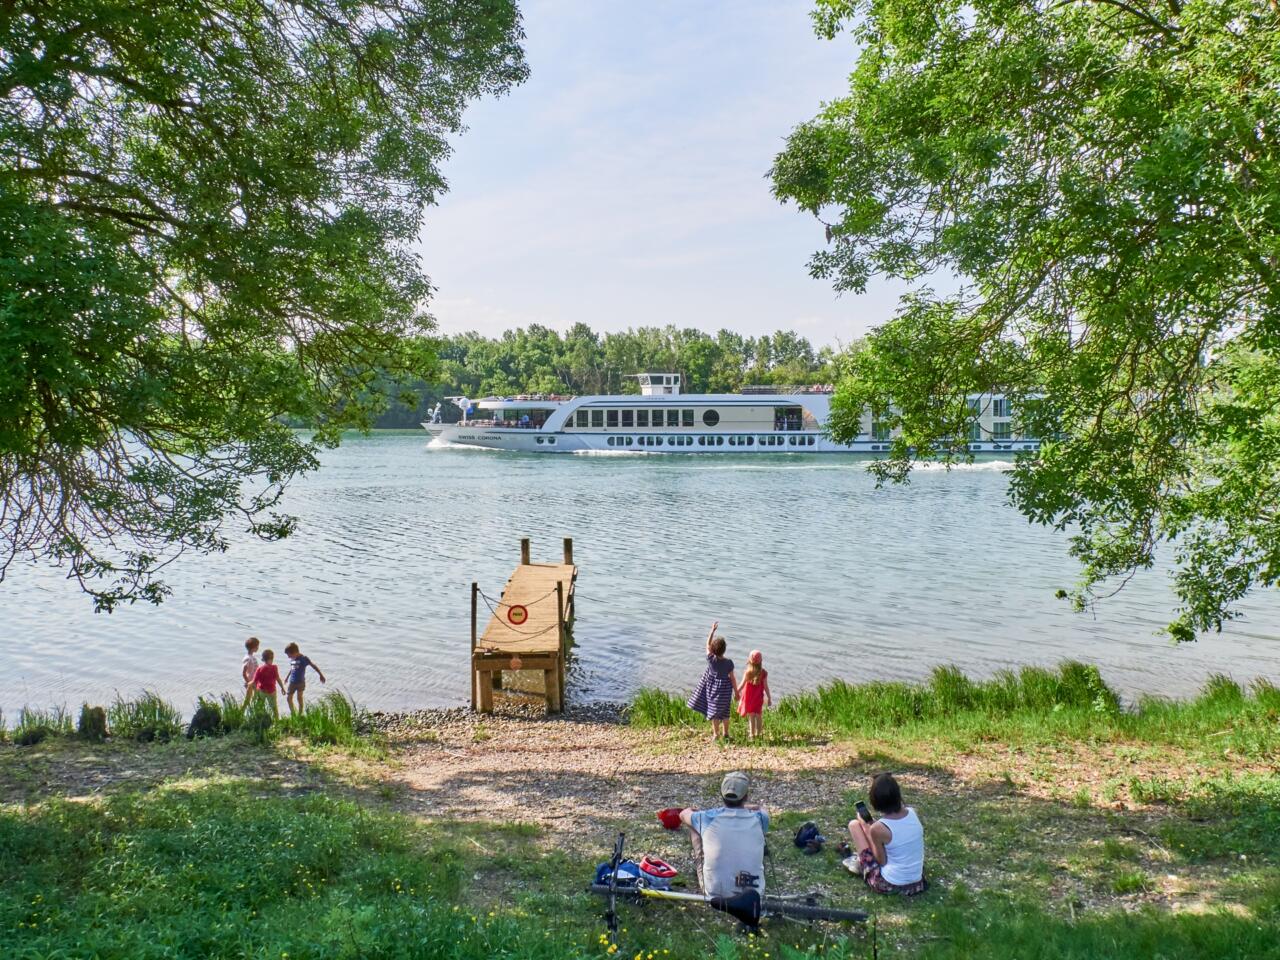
(797, 555)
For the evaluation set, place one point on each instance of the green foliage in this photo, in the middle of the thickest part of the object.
(144, 719)
(333, 719)
(206, 226)
(92, 725)
(232, 711)
(1102, 180)
(581, 361)
(35, 726)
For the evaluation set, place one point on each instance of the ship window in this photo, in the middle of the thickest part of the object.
(642, 418)
(1000, 407)
(879, 431)
(975, 431)
(582, 418)
(628, 418)
(612, 417)
(1001, 431)
(539, 439)
(812, 441)
(686, 418)
(710, 417)
(597, 418)
(673, 418)
(551, 441)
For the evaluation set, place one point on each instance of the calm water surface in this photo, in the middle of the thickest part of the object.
(799, 556)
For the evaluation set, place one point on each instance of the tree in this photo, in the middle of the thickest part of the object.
(1101, 176)
(206, 208)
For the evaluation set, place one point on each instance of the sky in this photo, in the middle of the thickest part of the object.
(625, 182)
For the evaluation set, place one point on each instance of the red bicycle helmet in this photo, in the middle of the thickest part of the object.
(657, 868)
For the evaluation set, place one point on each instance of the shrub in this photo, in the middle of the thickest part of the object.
(207, 720)
(93, 723)
(145, 719)
(34, 726)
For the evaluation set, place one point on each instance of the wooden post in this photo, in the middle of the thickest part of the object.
(550, 681)
(486, 692)
(568, 551)
(524, 552)
(475, 595)
(563, 637)
(560, 614)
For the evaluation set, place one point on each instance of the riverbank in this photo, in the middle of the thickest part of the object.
(478, 834)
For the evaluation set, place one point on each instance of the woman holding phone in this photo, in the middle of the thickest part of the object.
(889, 852)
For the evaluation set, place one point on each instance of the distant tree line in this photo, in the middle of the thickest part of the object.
(540, 360)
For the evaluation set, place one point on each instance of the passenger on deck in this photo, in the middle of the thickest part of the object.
(728, 841)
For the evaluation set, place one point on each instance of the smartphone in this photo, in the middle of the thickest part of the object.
(863, 813)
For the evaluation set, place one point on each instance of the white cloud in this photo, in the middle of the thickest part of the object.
(625, 183)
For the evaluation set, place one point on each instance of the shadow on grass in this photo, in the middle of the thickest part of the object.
(235, 868)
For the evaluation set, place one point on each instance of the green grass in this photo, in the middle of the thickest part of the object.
(147, 718)
(1031, 705)
(35, 726)
(333, 719)
(246, 868)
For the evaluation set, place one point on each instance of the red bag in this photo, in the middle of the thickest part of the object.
(670, 818)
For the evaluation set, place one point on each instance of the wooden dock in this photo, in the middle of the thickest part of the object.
(528, 629)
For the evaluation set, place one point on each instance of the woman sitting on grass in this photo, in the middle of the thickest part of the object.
(890, 851)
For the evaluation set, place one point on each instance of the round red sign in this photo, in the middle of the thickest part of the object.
(517, 614)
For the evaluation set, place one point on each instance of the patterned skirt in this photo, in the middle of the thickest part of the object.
(713, 697)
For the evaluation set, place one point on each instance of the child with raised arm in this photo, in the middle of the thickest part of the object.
(298, 675)
(713, 697)
(753, 693)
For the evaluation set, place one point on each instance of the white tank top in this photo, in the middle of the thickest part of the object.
(905, 851)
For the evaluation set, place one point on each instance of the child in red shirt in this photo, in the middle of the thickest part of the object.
(266, 679)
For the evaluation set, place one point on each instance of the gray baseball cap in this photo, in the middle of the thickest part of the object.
(735, 785)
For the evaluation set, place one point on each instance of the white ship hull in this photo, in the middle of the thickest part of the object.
(540, 441)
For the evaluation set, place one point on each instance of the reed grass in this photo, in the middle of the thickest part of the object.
(1070, 701)
(146, 718)
(35, 726)
(333, 719)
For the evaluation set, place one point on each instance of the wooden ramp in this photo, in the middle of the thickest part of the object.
(528, 629)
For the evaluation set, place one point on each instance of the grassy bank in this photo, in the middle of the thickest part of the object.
(1059, 823)
(1032, 706)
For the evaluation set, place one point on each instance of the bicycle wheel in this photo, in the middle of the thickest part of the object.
(806, 911)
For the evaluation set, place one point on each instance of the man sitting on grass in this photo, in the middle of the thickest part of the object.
(728, 841)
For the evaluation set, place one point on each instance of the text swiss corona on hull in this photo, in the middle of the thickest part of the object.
(661, 419)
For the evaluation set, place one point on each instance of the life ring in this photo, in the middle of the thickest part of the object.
(517, 614)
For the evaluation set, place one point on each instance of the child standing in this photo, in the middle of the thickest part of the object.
(298, 675)
(249, 666)
(713, 697)
(267, 678)
(753, 694)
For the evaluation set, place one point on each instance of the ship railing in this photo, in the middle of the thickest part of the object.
(793, 389)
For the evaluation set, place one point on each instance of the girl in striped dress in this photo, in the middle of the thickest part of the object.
(713, 697)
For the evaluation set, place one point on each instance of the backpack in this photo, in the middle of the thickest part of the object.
(808, 838)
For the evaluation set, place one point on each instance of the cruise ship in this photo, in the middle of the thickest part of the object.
(661, 419)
